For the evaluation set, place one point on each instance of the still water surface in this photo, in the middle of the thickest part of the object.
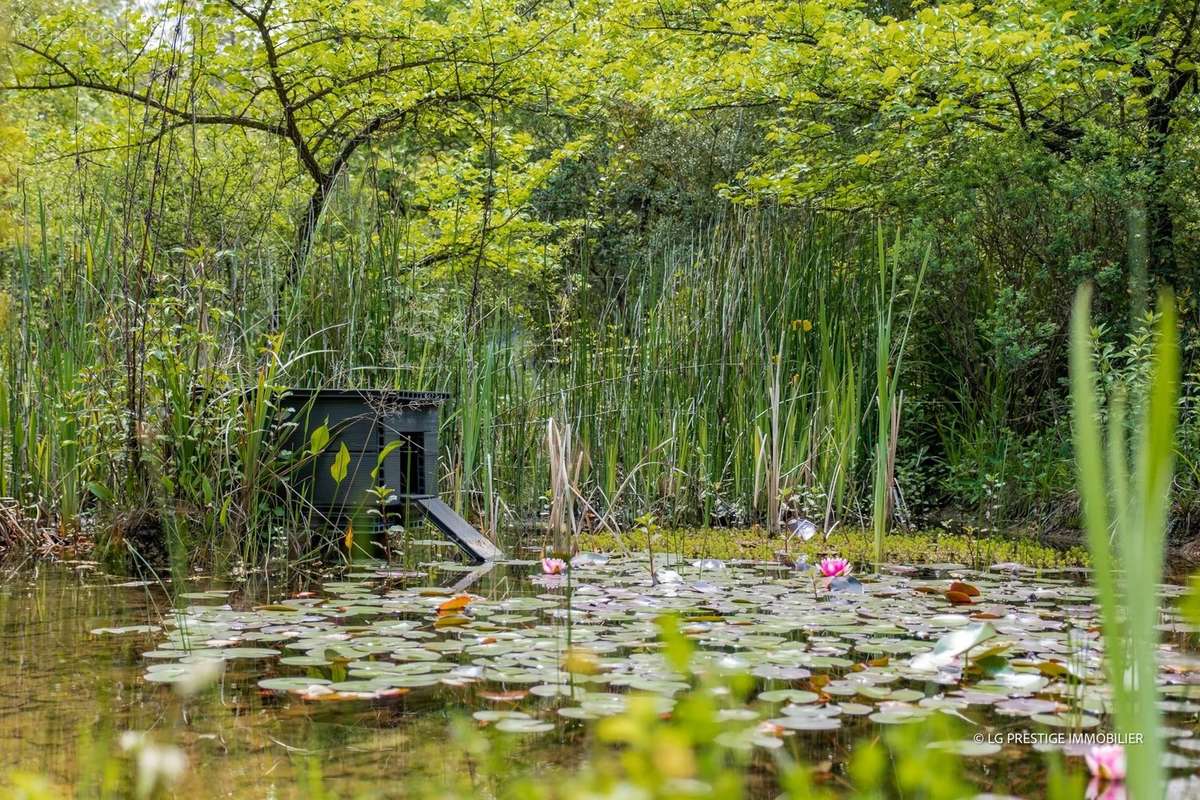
(71, 689)
(69, 693)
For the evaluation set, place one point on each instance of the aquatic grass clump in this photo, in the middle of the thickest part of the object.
(855, 544)
(1125, 511)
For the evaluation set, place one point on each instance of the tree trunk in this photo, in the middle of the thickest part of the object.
(306, 229)
(1163, 269)
(1136, 240)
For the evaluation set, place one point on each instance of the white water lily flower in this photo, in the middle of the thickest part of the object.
(158, 766)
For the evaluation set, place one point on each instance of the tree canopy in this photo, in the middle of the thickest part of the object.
(477, 118)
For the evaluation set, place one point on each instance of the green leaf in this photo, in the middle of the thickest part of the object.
(341, 462)
(319, 440)
(383, 454)
(102, 492)
(1190, 607)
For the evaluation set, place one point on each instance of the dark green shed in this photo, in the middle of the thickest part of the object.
(393, 433)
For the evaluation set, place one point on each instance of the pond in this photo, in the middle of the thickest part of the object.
(356, 680)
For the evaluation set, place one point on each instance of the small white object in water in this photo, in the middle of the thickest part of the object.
(733, 663)
(470, 672)
(709, 563)
(803, 528)
(158, 766)
(669, 576)
(589, 560)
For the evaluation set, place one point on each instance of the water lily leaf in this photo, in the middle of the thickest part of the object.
(413, 681)
(1067, 720)
(1026, 707)
(807, 723)
(604, 704)
(576, 712)
(898, 717)
(167, 673)
(513, 725)
(363, 686)
(796, 696)
(253, 653)
(492, 715)
(966, 747)
(124, 630)
(304, 661)
(291, 684)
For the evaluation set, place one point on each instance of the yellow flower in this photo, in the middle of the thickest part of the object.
(581, 662)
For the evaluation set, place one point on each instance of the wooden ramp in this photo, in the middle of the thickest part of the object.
(477, 546)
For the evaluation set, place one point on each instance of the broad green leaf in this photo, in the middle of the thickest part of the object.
(341, 463)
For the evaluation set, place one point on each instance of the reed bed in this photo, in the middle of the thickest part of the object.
(728, 380)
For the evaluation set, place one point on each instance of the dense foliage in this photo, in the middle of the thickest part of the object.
(661, 224)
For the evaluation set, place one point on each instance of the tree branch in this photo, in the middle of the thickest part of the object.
(74, 81)
(291, 127)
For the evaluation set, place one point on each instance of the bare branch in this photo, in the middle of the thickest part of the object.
(185, 116)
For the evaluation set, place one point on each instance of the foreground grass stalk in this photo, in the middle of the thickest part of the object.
(1126, 520)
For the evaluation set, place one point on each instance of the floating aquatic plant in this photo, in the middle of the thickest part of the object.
(834, 567)
(1106, 762)
(887, 652)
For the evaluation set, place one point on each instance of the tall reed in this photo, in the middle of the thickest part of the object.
(887, 382)
(740, 350)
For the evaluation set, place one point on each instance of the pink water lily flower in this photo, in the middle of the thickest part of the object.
(554, 566)
(834, 567)
(1106, 762)
(1105, 790)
